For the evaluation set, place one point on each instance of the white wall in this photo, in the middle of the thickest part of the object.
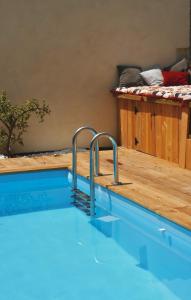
(66, 51)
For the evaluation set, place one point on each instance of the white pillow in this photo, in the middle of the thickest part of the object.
(153, 77)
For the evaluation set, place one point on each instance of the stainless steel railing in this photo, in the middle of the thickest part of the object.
(92, 163)
(74, 154)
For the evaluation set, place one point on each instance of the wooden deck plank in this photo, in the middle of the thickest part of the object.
(154, 183)
(183, 136)
(188, 154)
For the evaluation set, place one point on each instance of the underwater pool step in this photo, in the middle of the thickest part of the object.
(108, 219)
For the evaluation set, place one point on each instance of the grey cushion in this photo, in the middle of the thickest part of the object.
(181, 65)
(121, 68)
(130, 76)
(151, 67)
(178, 66)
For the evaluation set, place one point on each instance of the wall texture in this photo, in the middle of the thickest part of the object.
(66, 51)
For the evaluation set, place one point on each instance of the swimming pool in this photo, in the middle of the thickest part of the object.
(51, 250)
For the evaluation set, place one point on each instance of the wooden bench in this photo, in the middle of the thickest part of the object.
(160, 127)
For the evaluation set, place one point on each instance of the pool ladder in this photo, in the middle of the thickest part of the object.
(82, 200)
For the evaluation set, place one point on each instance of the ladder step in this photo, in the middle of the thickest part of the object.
(82, 207)
(81, 201)
(80, 193)
(80, 198)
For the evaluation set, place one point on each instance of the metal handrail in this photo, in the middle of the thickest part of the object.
(115, 166)
(74, 154)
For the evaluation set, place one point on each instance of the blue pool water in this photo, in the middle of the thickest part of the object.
(50, 250)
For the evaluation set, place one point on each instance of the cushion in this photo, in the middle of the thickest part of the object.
(180, 93)
(153, 77)
(172, 78)
(130, 76)
(121, 68)
(178, 66)
(151, 67)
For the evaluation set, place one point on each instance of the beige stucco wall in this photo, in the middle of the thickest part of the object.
(65, 51)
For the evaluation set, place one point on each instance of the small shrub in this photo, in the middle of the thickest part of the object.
(14, 119)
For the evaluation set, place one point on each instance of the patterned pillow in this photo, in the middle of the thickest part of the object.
(129, 76)
(153, 77)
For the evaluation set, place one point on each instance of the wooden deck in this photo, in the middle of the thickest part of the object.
(152, 182)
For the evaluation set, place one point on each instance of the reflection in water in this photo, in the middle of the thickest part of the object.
(143, 257)
(13, 203)
(33, 191)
